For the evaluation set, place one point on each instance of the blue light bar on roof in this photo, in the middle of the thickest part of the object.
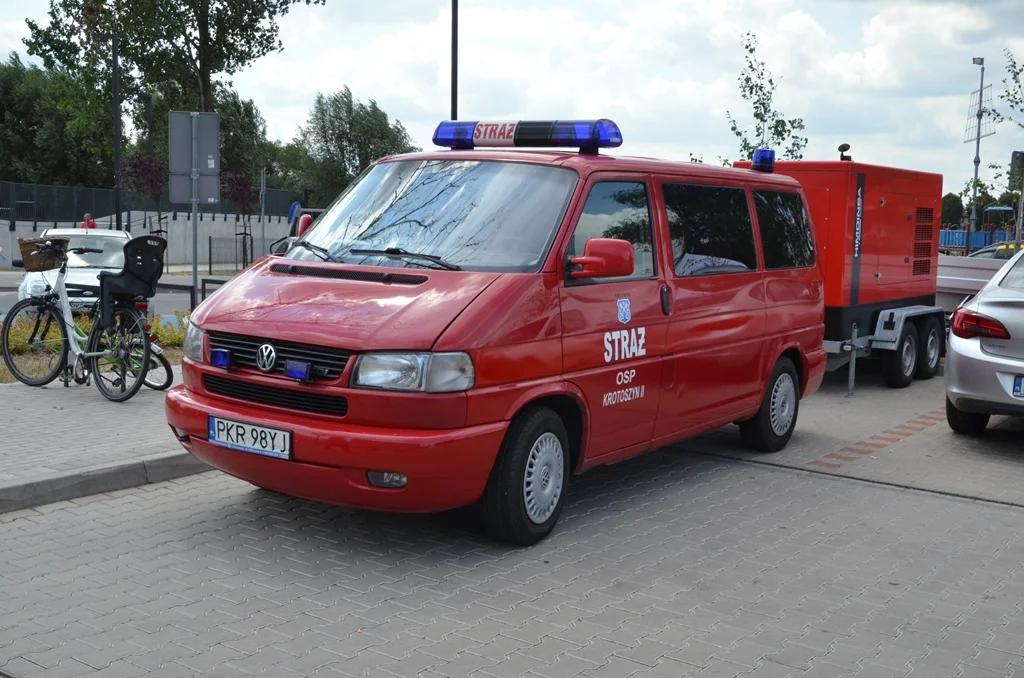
(584, 134)
(764, 160)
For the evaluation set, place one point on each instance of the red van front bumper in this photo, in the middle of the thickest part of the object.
(445, 468)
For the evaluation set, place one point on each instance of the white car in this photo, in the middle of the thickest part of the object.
(82, 281)
(985, 353)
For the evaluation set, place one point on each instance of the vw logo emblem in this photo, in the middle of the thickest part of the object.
(266, 358)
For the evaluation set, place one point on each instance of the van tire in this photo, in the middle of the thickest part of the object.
(900, 365)
(782, 394)
(929, 352)
(536, 443)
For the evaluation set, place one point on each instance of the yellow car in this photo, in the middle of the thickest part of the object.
(1003, 250)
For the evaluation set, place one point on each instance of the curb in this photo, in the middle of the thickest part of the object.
(153, 468)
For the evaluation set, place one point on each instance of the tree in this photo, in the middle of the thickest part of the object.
(771, 129)
(238, 190)
(952, 208)
(188, 42)
(53, 128)
(144, 175)
(342, 137)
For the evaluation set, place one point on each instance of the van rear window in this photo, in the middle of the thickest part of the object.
(476, 215)
(785, 230)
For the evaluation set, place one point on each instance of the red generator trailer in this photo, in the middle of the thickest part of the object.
(877, 234)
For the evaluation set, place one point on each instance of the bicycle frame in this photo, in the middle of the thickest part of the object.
(77, 338)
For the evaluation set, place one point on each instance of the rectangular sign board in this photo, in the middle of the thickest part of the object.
(180, 156)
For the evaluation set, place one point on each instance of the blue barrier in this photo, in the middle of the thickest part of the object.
(979, 239)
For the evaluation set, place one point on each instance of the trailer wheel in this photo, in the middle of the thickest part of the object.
(771, 428)
(930, 351)
(900, 366)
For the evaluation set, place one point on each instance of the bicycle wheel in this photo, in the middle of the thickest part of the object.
(120, 369)
(34, 340)
(159, 376)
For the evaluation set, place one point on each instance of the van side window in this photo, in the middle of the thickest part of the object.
(710, 228)
(618, 209)
(785, 230)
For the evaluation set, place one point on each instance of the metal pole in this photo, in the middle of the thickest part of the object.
(455, 59)
(117, 134)
(977, 158)
(1020, 215)
(195, 200)
(263, 211)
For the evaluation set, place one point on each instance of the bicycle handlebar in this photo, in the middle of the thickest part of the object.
(86, 250)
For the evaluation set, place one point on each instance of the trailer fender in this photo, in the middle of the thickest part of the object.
(891, 321)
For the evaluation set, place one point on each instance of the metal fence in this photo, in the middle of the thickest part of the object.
(41, 205)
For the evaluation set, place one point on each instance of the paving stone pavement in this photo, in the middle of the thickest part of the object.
(669, 565)
(67, 442)
(897, 436)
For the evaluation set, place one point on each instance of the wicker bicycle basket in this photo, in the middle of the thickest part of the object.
(47, 260)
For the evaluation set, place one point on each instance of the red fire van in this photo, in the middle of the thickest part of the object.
(472, 326)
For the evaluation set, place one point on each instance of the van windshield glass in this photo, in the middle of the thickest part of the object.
(474, 215)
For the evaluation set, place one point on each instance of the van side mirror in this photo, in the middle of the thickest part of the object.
(279, 247)
(305, 221)
(17, 263)
(603, 258)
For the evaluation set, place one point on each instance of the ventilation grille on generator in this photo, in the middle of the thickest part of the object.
(923, 240)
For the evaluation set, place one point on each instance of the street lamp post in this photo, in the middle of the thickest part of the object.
(117, 123)
(455, 59)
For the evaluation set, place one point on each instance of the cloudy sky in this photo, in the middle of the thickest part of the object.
(890, 77)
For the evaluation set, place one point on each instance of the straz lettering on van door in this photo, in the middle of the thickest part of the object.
(624, 345)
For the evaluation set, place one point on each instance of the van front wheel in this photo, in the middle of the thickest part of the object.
(771, 428)
(526, 490)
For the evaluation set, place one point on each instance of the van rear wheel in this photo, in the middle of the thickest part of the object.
(526, 490)
(771, 428)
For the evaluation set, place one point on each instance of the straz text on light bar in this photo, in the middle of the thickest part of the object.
(583, 134)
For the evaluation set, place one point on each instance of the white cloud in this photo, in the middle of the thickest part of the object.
(890, 77)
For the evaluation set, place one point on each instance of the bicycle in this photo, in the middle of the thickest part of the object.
(42, 329)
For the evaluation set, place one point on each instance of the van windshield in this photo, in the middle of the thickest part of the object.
(471, 214)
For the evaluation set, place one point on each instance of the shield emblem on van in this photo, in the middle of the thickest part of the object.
(624, 312)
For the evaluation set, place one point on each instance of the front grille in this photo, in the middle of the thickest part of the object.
(277, 397)
(328, 363)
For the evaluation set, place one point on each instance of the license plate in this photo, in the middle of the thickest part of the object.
(270, 442)
(1018, 386)
(155, 349)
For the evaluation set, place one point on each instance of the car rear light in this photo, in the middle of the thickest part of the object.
(968, 324)
(141, 306)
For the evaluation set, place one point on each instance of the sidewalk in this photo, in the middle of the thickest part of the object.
(64, 443)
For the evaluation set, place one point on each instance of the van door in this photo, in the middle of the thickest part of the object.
(717, 327)
(613, 330)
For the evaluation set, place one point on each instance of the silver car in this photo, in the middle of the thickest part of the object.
(83, 269)
(985, 353)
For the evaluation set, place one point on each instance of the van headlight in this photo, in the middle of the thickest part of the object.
(192, 346)
(426, 372)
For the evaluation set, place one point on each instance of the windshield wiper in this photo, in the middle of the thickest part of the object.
(398, 252)
(317, 250)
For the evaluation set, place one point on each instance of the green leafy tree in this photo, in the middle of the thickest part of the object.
(952, 208)
(771, 128)
(188, 42)
(341, 138)
(53, 128)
